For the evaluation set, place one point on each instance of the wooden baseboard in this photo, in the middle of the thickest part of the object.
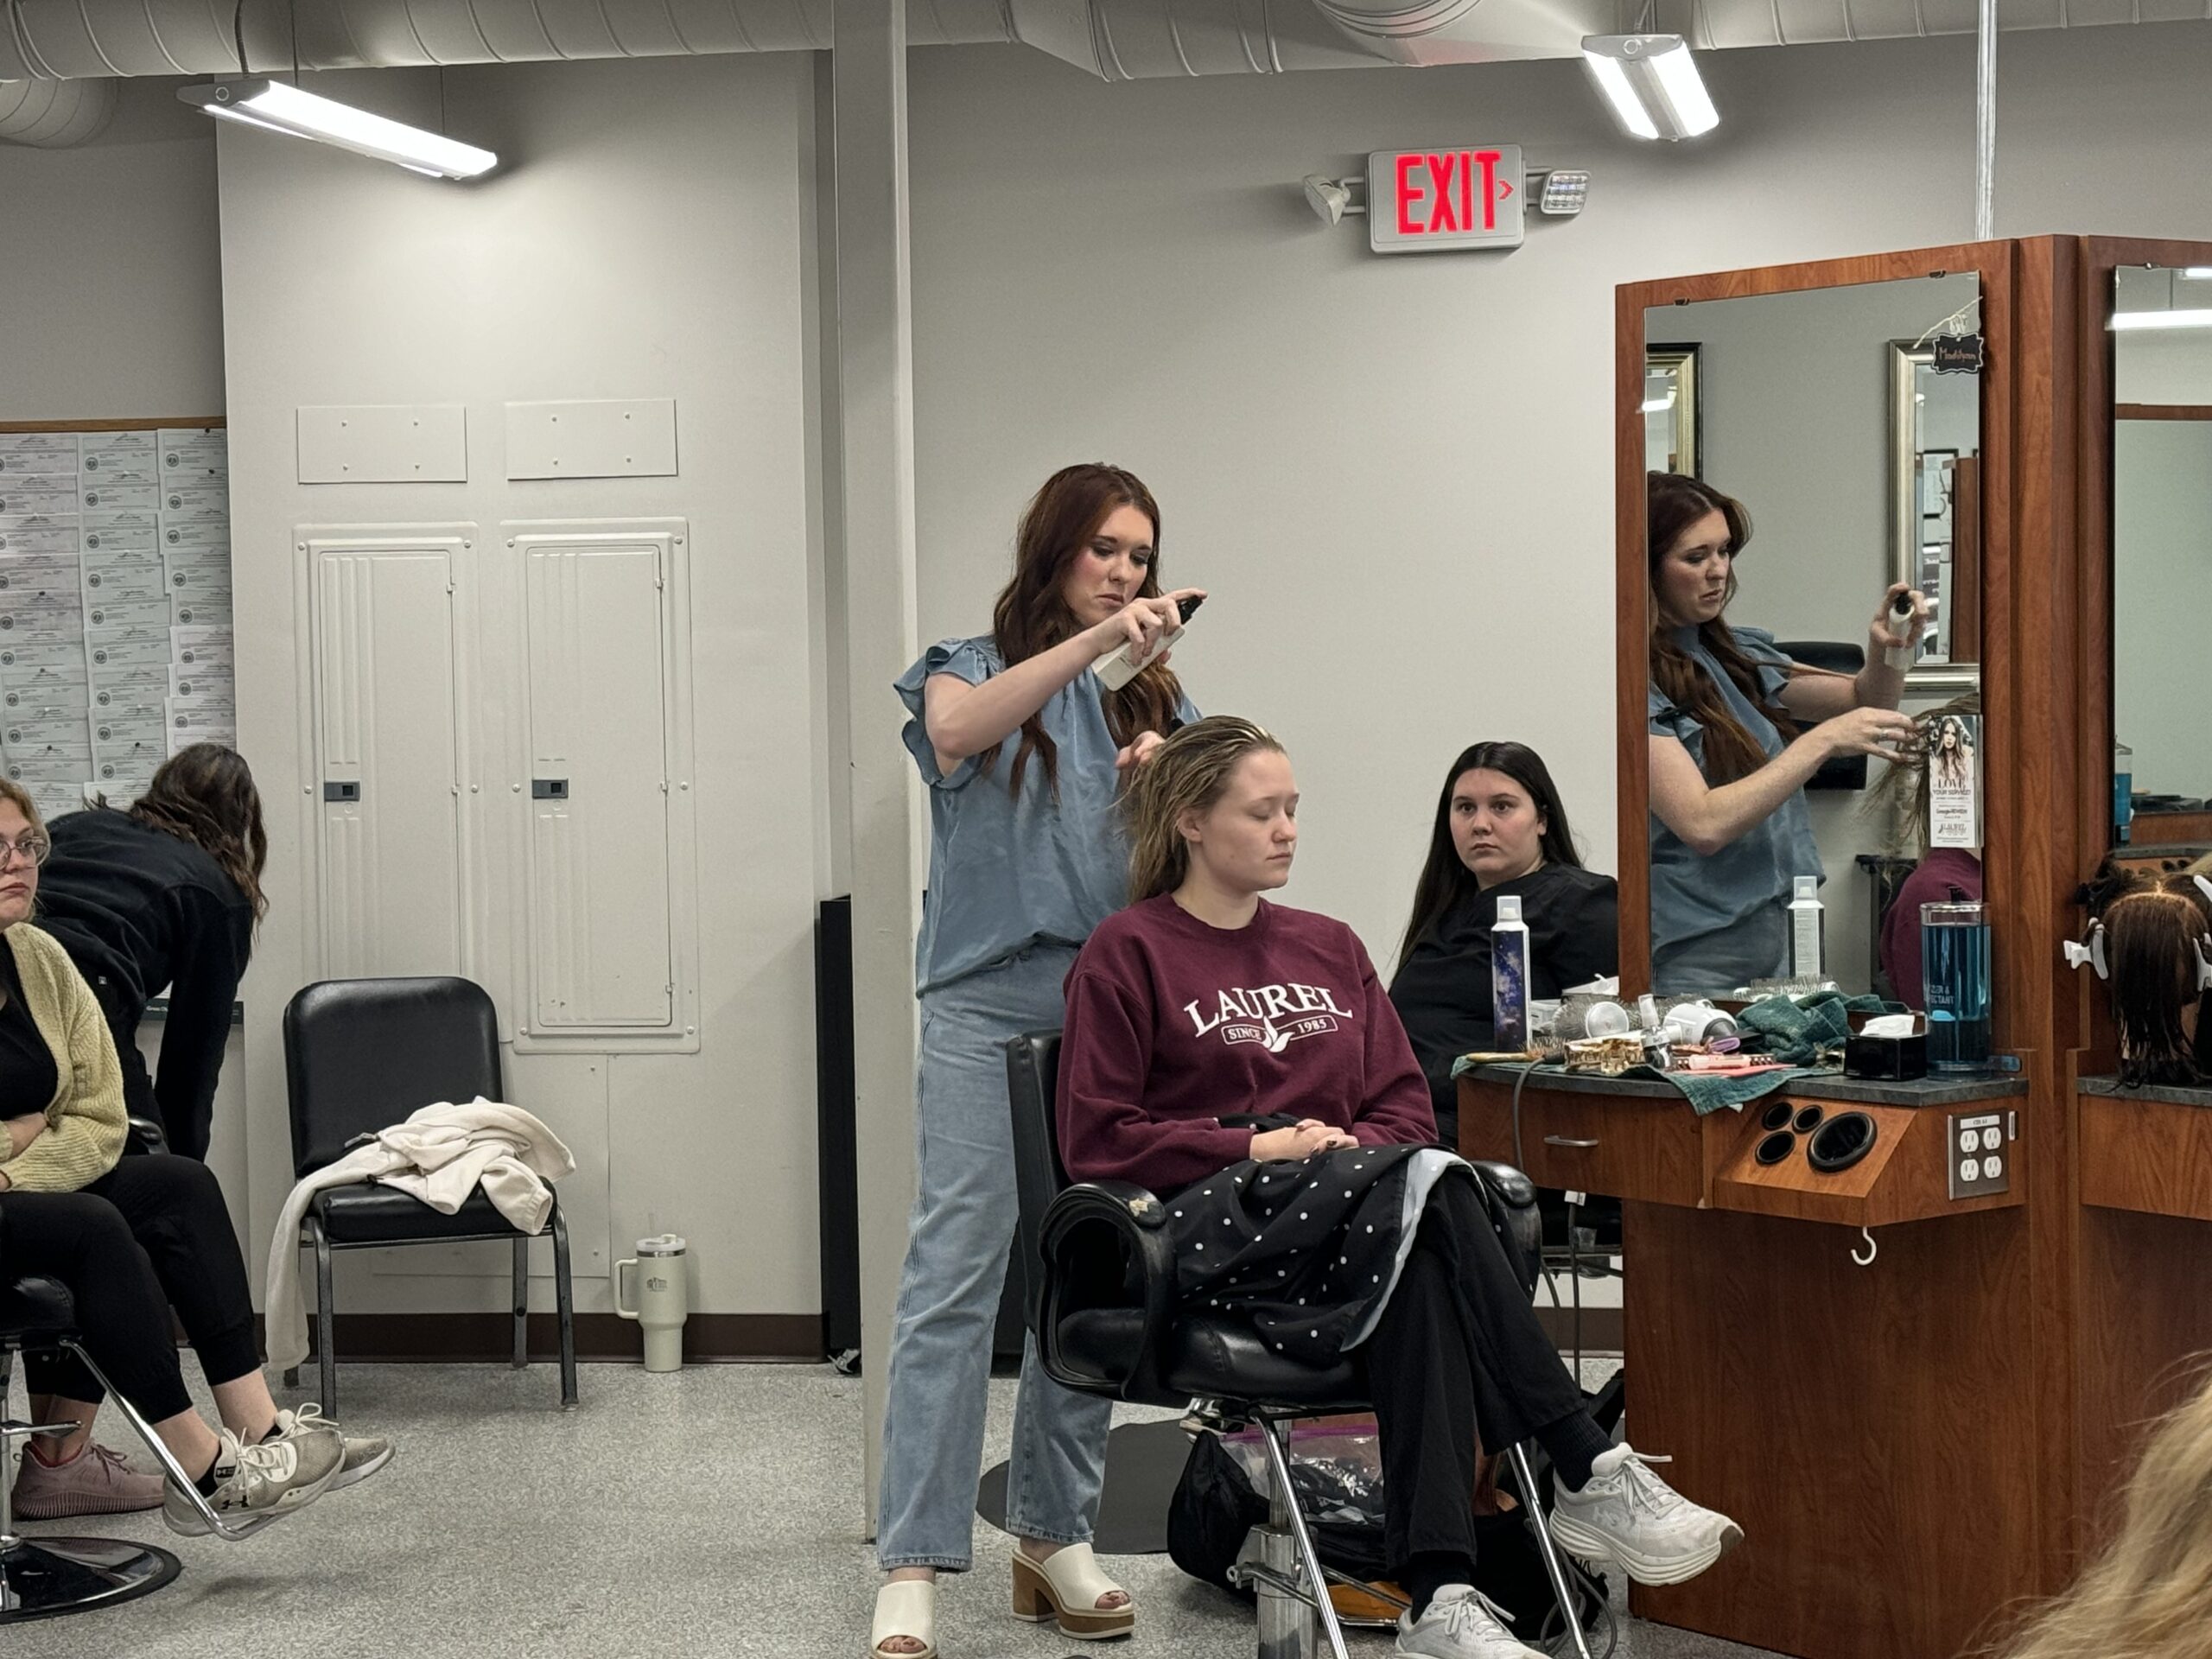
(709, 1338)
(1602, 1329)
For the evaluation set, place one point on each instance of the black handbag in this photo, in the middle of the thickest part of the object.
(1215, 1506)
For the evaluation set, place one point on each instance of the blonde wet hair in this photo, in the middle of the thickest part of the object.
(1187, 773)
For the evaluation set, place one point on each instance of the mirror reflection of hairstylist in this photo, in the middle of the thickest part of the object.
(1736, 729)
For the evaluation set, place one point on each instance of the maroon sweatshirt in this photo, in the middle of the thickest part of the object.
(1173, 1024)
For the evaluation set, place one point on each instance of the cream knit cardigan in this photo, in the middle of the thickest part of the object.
(86, 1123)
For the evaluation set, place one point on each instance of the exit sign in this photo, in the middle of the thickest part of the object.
(1423, 200)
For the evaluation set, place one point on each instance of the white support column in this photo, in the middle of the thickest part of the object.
(876, 389)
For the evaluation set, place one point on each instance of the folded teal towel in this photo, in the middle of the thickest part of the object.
(1804, 1031)
(1708, 1093)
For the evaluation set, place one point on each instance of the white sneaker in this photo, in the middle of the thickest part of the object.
(1462, 1622)
(1628, 1516)
(365, 1453)
(259, 1484)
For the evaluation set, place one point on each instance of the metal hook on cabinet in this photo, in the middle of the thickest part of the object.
(1872, 1249)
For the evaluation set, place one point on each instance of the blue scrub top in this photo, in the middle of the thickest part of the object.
(1008, 871)
(1693, 896)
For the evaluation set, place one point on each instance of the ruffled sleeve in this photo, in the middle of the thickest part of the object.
(1667, 718)
(972, 660)
(1773, 665)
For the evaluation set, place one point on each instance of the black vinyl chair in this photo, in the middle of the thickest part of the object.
(1838, 657)
(45, 1577)
(359, 1056)
(1102, 1303)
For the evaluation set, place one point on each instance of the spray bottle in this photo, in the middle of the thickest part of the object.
(1509, 976)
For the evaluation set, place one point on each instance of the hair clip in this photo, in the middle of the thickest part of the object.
(2091, 955)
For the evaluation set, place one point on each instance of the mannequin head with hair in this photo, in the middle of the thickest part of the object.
(2156, 923)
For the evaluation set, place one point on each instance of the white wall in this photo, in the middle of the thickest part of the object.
(1397, 474)
(653, 240)
(110, 302)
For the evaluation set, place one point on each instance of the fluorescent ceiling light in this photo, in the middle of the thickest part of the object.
(2198, 274)
(1658, 405)
(1652, 83)
(2162, 320)
(281, 107)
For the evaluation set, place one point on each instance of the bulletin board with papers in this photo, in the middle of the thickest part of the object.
(116, 647)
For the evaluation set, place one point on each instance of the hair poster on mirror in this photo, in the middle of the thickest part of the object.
(1954, 782)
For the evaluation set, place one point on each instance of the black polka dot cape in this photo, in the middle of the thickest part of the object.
(1306, 1251)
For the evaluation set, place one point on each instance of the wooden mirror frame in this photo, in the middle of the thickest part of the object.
(1993, 263)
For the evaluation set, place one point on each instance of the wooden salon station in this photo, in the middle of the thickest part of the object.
(1916, 1444)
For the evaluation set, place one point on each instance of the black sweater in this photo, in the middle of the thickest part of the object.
(1442, 990)
(149, 910)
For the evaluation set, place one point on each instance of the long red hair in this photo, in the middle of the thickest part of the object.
(1032, 616)
(1674, 503)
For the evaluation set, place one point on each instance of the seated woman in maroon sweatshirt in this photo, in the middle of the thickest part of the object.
(1240, 1060)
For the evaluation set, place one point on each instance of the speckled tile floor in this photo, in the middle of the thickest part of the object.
(713, 1513)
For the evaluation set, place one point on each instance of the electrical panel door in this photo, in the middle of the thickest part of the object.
(393, 874)
(600, 950)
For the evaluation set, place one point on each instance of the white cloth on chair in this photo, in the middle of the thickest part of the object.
(440, 1155)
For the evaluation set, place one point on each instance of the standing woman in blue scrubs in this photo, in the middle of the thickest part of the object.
(1737, 728)
(1025, 754)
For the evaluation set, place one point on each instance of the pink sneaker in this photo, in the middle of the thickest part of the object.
(95, 1482)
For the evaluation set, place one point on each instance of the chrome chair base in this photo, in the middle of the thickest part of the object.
(42, 1577)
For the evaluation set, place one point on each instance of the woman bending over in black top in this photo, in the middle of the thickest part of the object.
(165, 895)
(1501, 829)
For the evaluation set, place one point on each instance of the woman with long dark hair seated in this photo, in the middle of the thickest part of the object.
(1240, 1058)
(165, 895)
(1501, 830)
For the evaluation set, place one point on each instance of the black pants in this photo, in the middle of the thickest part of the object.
(186, 1140)
(1457, 1351)
(172, 1213)
(122, 1315)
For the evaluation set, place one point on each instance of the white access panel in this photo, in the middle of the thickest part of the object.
(388, 701)
(610, 946)
(604, 438)
(383, 444)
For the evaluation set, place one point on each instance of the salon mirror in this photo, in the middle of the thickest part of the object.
(1848, 421)
(2162, 552)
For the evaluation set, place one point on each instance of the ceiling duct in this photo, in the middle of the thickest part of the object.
(54, 114)
(45, 41)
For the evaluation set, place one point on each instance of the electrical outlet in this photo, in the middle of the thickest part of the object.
(1980, 1153)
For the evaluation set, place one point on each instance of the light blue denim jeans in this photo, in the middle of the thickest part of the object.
(962, 1225)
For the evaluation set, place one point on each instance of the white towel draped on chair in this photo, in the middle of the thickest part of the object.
(440, 1155)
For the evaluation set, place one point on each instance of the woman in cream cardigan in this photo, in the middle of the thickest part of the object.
(61, 1101)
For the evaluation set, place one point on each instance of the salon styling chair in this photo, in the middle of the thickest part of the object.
(1100, 1301)
(359, 1056)
(45, 1577)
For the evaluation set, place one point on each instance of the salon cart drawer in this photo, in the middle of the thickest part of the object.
(1645, 1148)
